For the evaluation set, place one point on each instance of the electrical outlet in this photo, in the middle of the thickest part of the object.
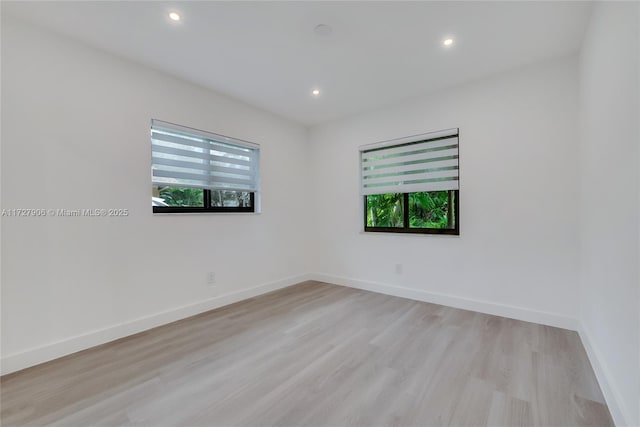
(211, 278)
(398, 268)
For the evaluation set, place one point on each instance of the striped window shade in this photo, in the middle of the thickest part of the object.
(427, 162)
(185, 157)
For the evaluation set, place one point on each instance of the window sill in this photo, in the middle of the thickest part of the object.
(203, 213)
(392, 234)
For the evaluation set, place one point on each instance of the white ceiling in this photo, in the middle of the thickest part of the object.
(267, 54)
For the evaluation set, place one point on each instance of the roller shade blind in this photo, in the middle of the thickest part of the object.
(185, 157)
(427, 162)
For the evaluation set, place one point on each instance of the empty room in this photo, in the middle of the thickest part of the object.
(320, 213)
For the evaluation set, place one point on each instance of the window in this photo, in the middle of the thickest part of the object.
(411, 185)
(197, 171)
(432, 212)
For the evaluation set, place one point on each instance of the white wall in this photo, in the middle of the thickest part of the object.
(609, 211)
(517, 251)
(75, 134)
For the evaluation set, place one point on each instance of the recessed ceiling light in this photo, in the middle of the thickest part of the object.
(174, 16)
(447, 42)
(315, 92)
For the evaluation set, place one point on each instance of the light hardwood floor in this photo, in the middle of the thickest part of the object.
(322, 355)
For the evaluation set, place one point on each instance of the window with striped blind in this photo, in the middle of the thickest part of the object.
(199, 171)
(411, 185)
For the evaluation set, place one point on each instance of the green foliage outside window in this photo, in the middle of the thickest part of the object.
(385, 210)
(429, 210)
(426, 210)
(177, 196)
(194, 197)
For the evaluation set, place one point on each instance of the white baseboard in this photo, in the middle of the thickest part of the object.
(45, 353)
(621, 415)
(482, 306)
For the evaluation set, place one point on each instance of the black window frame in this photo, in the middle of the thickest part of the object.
(206, 199)
(407, 229)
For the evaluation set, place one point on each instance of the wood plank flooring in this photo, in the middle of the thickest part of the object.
(319, 355)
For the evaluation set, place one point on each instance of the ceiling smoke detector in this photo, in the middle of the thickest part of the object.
(323, 30)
